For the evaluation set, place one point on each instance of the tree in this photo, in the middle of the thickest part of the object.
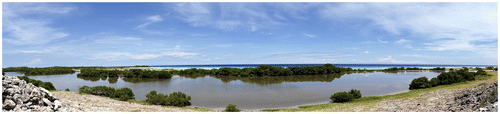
(419, 83)
(355, 93)
(231, 108)
(341, 97)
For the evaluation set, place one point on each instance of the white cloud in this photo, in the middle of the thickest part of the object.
(176, 52)
(27, 31)
(112, 56)
(405, 43)
(117, 40)
(386, 59)
(35, 61)
(13, 9)
(367, 52)
(21, 30)
(151, 20)
(228, 16)
(418, 56)
(309, 35)
(147, 56)
(449, 26)
(384, 42)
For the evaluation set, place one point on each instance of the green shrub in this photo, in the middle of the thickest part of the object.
(341, 97)
(123, 93)
(434, 82)
(418, 83)
(85, 89)
(355, 93)
(174, 99)
(67, 89)
(154, 98)
(178, 99)
(46, 85)
(480, 72)
(231, 108)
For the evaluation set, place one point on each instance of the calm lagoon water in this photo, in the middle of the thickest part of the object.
(250, 93)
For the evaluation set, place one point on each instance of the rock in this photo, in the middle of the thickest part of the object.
(57, 104)
(9, 91)
(21, 96)
(25, 97)
(47, 102)
(8, 104)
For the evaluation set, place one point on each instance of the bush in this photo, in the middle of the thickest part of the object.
(341, 97)
(231, 108)
(418, 83)
(154, 98)
(123, 93)
(174, 99)
(355, 93)
(480, 72)
(67, 89)
(46, 85)
(434, 82)
(178, 99)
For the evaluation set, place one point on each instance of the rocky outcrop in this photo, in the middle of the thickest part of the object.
(17, 95)
(481, 98)
(473, 99)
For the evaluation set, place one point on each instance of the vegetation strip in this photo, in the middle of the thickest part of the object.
(123, 94)
(38, 83)
(133, 73)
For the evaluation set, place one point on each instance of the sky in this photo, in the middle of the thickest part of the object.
(127, 34)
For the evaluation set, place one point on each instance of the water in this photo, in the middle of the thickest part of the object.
(250, 93)
(354, 66)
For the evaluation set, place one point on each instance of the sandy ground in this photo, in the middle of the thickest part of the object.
(89, 103)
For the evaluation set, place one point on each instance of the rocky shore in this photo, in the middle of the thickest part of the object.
(474, 99)
(17, 95)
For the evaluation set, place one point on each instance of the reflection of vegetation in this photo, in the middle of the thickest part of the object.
(93, 79)
(137, 80)
(194, 76)
(280, 79)
(112, 80)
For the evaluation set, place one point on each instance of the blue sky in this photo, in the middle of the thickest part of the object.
(126, 34)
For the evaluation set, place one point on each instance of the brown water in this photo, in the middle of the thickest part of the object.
(250, 93)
